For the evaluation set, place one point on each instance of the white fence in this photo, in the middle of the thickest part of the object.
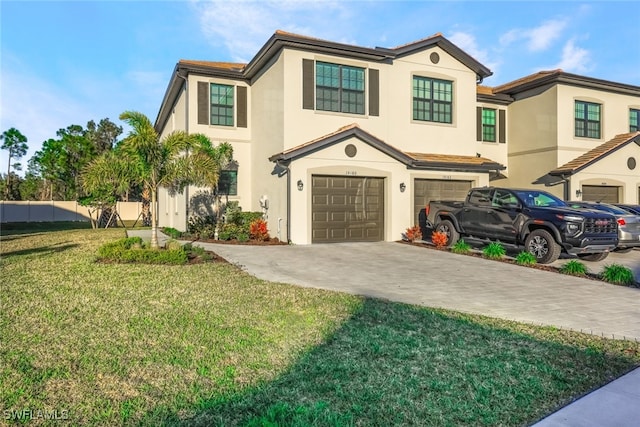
(50, 211)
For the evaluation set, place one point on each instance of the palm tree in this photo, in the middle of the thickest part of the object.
(107, 178)
(159, 162)
(207, 161)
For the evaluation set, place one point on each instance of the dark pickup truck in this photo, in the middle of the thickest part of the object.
(537, 220)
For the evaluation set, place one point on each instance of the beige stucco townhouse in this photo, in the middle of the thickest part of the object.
(336, 142)
(576, 135)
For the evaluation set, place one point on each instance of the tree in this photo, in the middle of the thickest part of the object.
(10, 186)
(104, 136)
(105, 180)
(60, 162)
(16, 143)
(158, 162)
(207, 161)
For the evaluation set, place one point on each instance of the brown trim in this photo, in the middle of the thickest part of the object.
(203, 103)
(374, 92)
(308, 84)
(242, 106)
(502, 126)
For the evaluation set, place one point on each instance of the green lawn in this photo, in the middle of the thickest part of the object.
(208, 344)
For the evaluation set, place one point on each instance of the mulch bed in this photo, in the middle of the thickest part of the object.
(508, 260)
(270, 242)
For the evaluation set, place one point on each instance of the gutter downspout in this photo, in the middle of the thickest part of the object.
(287, 171)
(565, 184)
(186, 125)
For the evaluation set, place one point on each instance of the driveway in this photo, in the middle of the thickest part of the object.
(423, 276)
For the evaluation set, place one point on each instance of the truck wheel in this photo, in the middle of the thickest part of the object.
(543, 246)
(447, 228)
(594, 257)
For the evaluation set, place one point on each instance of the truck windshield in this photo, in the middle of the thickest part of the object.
(539, 199)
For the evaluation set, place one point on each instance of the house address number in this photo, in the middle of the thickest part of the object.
(351, 173)
(446, 176)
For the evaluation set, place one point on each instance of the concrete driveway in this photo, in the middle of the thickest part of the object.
(428, 277)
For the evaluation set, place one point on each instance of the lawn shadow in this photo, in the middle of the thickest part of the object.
(396, 364)
(43, 250)
(17, 228)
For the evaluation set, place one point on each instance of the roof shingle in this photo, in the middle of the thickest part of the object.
(596, 154)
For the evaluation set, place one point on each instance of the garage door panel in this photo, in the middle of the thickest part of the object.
(426, 190)
(600, 193)
(354, 208)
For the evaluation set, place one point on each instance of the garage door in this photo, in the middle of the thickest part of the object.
(600, 193)
(435, 189)
(347, 209)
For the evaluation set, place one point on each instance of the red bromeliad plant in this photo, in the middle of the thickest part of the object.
(258, 230)
(439, 239)
(413, 233)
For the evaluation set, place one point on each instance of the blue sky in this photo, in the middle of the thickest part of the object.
(68, 62)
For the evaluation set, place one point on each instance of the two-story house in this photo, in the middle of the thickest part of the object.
(336, 142)
(578, 135)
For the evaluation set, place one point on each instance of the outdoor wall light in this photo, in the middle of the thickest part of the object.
(402, 187)
(300, 185)
(578, 192)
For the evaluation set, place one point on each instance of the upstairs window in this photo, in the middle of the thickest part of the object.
(339, 88)
(587, 119)
(432, 100)
(221, 104)
(634, 120)
(489, 125)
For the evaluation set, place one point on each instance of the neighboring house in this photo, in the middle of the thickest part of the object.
(337, 142)
(576, 134)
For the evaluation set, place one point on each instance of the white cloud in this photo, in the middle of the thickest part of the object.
(537, 39)
(34, 107)
(574, 58)
(468, 43)
(244, 26)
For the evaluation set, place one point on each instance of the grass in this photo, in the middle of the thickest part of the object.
(207, 344)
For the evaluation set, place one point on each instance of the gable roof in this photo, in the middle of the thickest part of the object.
(551, 77)
(596, 154)
(425, 161)
(443, 43)
(282, 39)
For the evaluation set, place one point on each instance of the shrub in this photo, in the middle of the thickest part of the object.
(617, 274)
(439, 239)
(461, 247)
(258, 230)
(413, 233)
(173, 245)
(112, 249)
(172, 232)
(229, 232)
(526, 258)
(202, 226)
(494, 250)
(132, 250)
(236, 216)
(574, 268)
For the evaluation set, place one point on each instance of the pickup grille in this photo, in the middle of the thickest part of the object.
(600, 226)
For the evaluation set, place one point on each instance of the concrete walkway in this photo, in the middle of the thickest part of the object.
(441, 279)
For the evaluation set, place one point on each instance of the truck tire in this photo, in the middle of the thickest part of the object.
(447, 228)
(594, 257)
(543, 246)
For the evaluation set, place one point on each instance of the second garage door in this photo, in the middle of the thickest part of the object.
(600, 193)
(426, 190)
(347, 209)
